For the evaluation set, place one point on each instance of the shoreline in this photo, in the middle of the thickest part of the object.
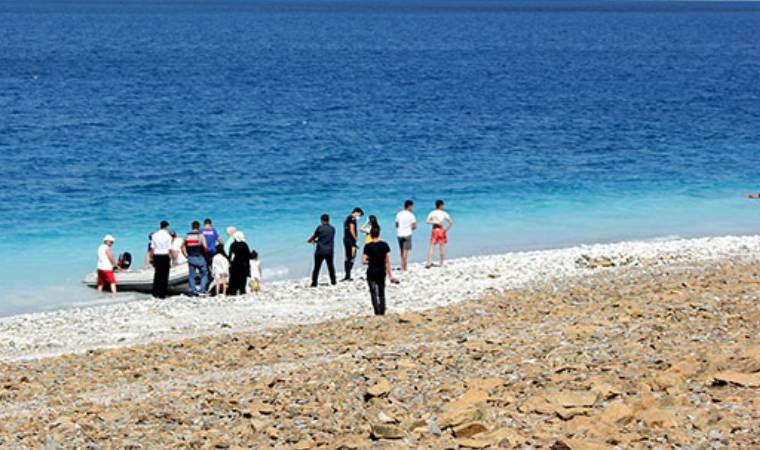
(290, 302)
(71, 293)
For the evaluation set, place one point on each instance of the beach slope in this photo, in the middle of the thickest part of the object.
(662, 353)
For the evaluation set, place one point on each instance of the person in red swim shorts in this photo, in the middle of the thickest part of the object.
(106, 265)
(442, 223)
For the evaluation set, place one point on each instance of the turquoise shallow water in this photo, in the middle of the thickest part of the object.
(542, 124)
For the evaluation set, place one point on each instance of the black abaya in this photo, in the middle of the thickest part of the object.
(240, 267)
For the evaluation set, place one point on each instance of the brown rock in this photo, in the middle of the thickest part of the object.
(659, 418)
(470, 398)
(580, 331)
(605, 390)
(669, 379)
(569, 413)
(351, 442)
(484, 384)
(272, 432)
(587, 262)
(645, 402)
(303, 445)
(689, 367)
(406, 363)
(380, 389)
(580, 444)
(572, 399)
(64, 421)
(502, 437)
(539, 405)
(473, 396)
(411, 317)
(459, 416)
(579, 424)
(752, 353)
(258, 425)
(469, 429)
(617, 413)
(386, 418)
(742, 379)
(387, 431)
(261, 408)
(472, 443)
(501, 400)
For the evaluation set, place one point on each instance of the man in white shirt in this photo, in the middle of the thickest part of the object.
(442, 223)
(161, 244)
(106, 265)
(406, 223)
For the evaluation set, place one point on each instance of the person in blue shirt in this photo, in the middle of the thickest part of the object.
(212, 238)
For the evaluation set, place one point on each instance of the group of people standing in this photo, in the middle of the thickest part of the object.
(234, 267)
(228, 264)
(376, 254)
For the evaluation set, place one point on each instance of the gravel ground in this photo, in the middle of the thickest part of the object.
(645, 345)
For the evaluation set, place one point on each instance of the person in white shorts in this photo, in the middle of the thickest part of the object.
(406, 223)
(220, 267)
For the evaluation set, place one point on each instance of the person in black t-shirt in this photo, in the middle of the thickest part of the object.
(378, 261)
(349, 241)
(324, 237)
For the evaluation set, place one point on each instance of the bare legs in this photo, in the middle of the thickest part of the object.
(404, 259)
(113, 289)
(221, 286)
(441, 251)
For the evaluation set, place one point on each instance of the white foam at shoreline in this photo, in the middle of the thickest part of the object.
(117, 324)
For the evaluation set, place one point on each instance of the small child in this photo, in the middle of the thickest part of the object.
(256, 272)
(220, 267)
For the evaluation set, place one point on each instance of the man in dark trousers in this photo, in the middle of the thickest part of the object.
(161, 243)
(350, 231)
(195, 249)
(324, 237)
(378, 261)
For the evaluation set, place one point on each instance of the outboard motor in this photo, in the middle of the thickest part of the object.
(125, 260)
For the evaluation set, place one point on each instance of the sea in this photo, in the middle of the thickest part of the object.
(542, 124)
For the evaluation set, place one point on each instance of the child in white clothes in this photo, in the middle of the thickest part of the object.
(256, 272)
(220, 267)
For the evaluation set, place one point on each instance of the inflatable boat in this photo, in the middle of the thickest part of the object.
(142, 280)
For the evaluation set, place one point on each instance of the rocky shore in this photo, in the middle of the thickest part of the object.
(285, 303)
(628, 352)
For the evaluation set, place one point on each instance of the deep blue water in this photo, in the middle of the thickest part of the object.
(541, 123)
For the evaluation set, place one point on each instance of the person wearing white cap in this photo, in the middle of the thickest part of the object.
(106, 265)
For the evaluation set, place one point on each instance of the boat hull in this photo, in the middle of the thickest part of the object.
(142, 280)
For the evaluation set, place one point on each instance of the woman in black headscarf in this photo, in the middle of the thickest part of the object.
(240, 264)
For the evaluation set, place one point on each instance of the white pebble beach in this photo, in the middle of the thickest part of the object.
(281, 303)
